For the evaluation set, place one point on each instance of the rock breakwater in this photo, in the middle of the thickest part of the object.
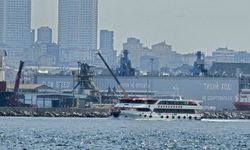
(54, 112)
(226, 115)
(101, 113)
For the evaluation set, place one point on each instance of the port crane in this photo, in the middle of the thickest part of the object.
(117, 81)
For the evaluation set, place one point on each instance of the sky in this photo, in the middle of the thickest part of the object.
(187, 25)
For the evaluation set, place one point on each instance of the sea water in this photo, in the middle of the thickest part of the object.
(110, 133)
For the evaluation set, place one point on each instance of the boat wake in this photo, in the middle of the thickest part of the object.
(225, 120)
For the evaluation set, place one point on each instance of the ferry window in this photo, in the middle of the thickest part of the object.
(138, 101)
(143, 109)
(132, 101)
(162, 102)
(125, 101)
(192, 103)
(188, 111)
(151, 101)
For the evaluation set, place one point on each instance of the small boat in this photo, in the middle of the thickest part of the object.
(243, 100)
(168, 108)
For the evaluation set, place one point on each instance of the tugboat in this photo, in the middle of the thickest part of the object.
(243, 100)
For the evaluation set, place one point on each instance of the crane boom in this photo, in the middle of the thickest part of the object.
(117, 81)
(14, 100)
(18, 76)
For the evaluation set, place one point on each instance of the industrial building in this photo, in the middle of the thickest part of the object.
(215, 92)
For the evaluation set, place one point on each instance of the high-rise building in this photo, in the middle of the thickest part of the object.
(77, 24)
(106, 40)
(33, 32)
(107, 48)
(44, 35)
(15, 23)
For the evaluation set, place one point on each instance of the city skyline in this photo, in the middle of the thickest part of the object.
(187, 26)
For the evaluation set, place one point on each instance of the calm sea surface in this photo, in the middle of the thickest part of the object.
(81, 133)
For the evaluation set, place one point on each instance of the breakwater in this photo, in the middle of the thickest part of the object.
(101, 113)
(54, 112)
(226, 115)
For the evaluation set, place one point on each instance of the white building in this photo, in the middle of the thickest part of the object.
(77, 24)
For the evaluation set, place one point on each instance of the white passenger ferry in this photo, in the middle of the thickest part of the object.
(168, 108)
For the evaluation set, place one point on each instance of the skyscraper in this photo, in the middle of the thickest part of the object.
(106, 40)
(15, 23)
(77, 24)
(1, 21)
(107, 48)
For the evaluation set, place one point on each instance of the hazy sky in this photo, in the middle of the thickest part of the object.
(188, 25)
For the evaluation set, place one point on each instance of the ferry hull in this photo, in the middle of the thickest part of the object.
(130, 114)
(244, 106)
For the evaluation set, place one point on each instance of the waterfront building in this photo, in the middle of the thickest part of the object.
(44, 35)
(43, 96)
(15, 23)
(135, 49)
(77, 24)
